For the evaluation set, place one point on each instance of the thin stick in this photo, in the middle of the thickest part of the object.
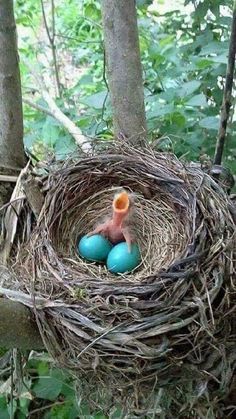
(8, 178)
(38, 107)
(53, 45)
(48, 406)
(77, 39)
(227, 97)
(69, 125)
(51, 39)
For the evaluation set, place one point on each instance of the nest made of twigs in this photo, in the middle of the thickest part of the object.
(170, 321)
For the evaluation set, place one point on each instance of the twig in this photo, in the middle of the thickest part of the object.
(48, 406)
(45, 22)
(38, 107)
(55, 112)
(106, 84)
(51, 39)
(227, 97)
(76, 133)
(77, 39)
(8, 178)
(53, 19)
(54, 49)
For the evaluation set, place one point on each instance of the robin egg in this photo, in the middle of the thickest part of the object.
(120, 260)
(94, 248)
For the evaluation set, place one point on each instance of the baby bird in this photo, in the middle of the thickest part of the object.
(116, 229)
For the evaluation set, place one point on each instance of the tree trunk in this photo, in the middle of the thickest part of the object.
(124, 69)
(17, 327)
(11, 119)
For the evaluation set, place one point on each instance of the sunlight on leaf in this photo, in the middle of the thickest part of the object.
(197, 100)
(210, 122)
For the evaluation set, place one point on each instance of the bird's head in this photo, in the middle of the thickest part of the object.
(121, 203)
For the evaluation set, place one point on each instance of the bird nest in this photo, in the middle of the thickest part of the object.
(164, 329)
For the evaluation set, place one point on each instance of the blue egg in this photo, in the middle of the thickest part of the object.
(94, 248)
(120, 260)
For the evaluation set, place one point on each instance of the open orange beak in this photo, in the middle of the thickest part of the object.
(121, 203)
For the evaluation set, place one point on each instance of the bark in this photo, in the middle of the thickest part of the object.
(124, 69)
(11, 119)
(17, 327)
(227, 97)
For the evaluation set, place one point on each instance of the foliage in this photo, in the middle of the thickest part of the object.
(45, 392)
(188, 62)
(184, 55)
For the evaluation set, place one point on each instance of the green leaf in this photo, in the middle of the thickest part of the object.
(12, 408)
(23, 408)
(99, 416)
(143, 3)
(215, 9)
(29, 140)
(92, 12)
(188, 88)
(204, 63)
(201, 10)
(195, 140)
(220, 58)
(178, 119)
(116, 413)
(160, 110)
(50, 133)
(47, 388)
(42, 368)
(167, 40)
(210, 122)
(65, 411)
(3, 409)
(214, 47)
(96, 100)
(64, 147)
(86, 79)
(197, 100)
(84, 122)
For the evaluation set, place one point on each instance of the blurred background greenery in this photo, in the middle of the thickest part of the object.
(184, 49)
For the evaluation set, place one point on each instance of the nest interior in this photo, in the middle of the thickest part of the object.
(167, 322)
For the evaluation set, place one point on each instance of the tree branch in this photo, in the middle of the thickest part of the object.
(227, 97)
(56, 113)
(37, 107)
(76, 133)
(51, 39)
(8, 178)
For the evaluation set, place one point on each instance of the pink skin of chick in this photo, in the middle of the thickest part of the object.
(116, 229)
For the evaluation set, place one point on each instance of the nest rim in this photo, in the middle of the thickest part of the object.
(97, 319)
